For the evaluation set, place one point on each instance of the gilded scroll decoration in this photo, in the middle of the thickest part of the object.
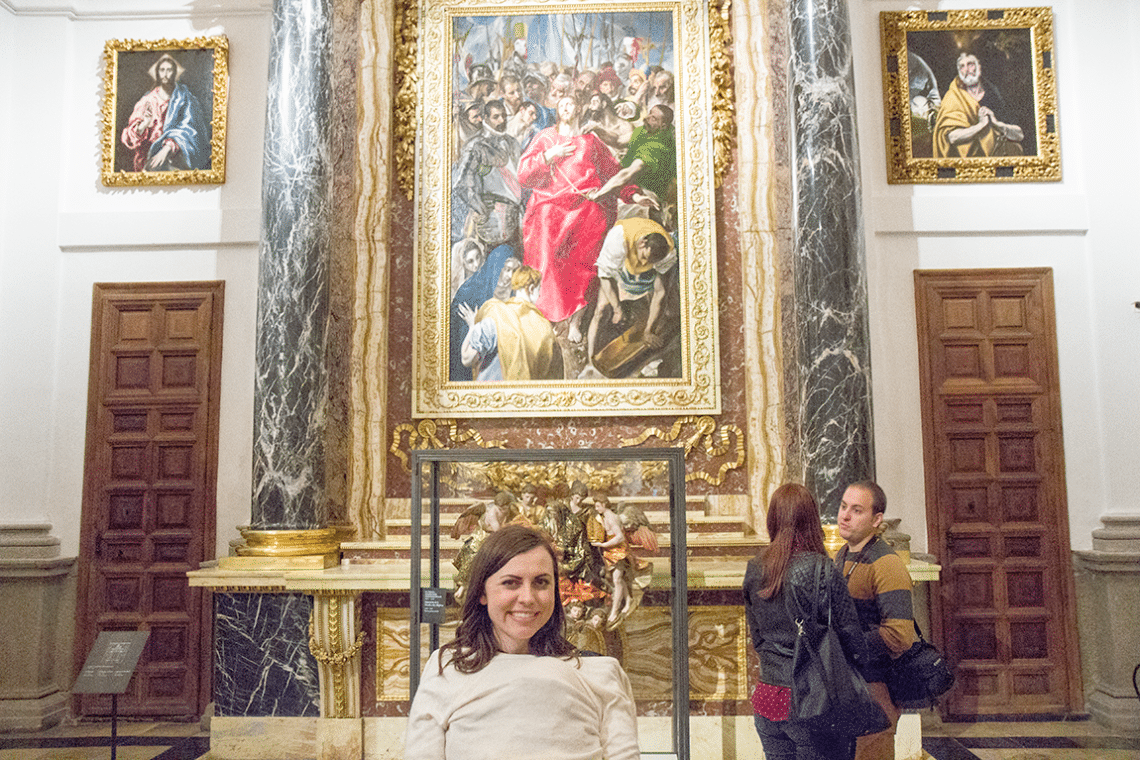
(723, 95)
(435, 434)
(715, 444)
(404, 132)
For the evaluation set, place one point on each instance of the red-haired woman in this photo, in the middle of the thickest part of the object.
(782, 578)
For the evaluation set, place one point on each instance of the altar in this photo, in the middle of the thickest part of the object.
(358, 648)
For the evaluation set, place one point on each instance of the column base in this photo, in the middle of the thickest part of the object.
(1118, 712)
(314, 549)
(34, 714)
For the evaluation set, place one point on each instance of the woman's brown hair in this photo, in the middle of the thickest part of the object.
(793, 526)
(475, 645)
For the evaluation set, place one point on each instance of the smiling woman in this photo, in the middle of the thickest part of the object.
(510, 684)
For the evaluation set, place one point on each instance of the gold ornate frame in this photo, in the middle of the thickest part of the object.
(1014, 48)
(697, 390)
(204, 62)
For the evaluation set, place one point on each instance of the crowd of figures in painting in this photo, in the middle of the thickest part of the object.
(564, 239)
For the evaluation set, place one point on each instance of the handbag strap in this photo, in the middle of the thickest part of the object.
(799, 621)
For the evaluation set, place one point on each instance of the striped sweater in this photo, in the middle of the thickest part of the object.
(878, 581)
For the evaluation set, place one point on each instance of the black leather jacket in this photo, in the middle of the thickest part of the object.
(774, 631)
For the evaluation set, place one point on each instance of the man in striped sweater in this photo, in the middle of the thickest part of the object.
(879, 583)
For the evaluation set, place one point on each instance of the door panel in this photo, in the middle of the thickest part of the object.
(149, 482)
(996, 508)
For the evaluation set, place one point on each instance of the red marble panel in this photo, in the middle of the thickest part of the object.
(1014, 410)
(1023, 546)
(979, 684)
(965, 412)
(134, 325)
(165, 685)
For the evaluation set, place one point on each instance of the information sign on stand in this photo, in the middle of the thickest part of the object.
(108, 670)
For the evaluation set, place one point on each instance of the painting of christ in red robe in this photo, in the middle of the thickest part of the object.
(563, 228)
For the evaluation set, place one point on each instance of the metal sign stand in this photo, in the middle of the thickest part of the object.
(108, 670)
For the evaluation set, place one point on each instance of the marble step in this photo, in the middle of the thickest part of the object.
(693, 504)
(697, 545)
(697, 522)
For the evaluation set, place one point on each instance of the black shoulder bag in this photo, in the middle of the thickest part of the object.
(920, 675)
(828, 695)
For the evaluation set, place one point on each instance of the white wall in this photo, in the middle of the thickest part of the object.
(63, 231)
(1081, 227)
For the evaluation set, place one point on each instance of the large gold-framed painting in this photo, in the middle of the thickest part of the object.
(565, 251)
(164, 111)
(970, 96)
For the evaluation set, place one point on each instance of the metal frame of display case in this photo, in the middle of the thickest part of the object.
(674, 458)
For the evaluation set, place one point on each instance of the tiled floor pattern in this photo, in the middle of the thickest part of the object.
(1067, 740)
(1062, 740)
(92, 741)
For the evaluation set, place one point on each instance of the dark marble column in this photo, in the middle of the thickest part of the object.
(291, 387)
(263, 666)
(830, 317)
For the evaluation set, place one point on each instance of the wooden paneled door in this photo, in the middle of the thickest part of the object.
(150, 475)
(996, 510)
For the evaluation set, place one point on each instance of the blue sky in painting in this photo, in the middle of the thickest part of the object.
(579, 40)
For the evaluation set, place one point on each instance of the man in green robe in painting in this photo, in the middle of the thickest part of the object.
(650, 161)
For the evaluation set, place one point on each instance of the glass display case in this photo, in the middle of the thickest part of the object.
(616, 518)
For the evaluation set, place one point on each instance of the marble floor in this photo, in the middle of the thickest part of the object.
(1028, 740)
(1065, 740)
(92, 741)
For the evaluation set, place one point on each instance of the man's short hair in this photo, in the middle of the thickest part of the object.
(666, 113)
(878, 496)
(530, 488)
(492, 105)
(658, 245)
(578, 488)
